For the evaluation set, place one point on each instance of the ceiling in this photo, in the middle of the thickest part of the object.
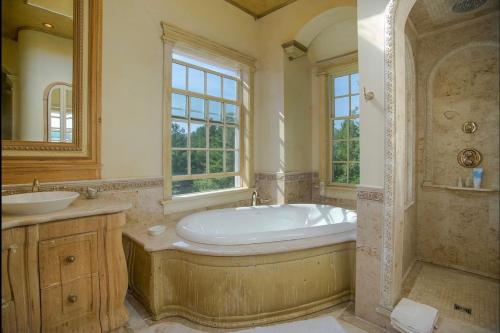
(260, 8)
(428, 15)
(31, 14)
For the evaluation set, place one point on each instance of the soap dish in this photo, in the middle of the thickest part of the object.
(156, 230)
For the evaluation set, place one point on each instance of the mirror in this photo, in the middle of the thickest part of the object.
(37, 71)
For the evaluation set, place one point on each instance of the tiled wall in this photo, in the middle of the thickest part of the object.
(145, 195)
(456, 228)
(296, 188)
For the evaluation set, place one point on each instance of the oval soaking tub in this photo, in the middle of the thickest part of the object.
(245, 266)
(263, 224)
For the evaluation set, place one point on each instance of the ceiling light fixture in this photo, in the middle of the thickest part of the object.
(48, 25)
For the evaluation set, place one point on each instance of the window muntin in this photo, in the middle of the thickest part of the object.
(344, 129)
(60, 113)
(205, 127)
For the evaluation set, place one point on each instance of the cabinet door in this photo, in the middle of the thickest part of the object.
(69, 283)
(14, 284)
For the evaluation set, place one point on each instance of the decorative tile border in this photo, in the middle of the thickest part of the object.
(371, 193)
(284, 176)
(81, 186)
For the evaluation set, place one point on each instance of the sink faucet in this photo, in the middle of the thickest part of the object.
(36, 185)
(255, 198)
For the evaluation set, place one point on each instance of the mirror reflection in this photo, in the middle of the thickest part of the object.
(37, 70)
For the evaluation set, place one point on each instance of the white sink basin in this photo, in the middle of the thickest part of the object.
(37, 202)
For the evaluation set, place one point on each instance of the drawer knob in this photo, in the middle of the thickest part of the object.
(70, 259)
(72, 298)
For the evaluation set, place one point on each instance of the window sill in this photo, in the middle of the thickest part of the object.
(186, 202)
(339, 192)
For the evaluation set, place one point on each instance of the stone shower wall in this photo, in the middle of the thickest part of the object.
(457, 81)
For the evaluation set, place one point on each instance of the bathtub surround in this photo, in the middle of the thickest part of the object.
(230, 288)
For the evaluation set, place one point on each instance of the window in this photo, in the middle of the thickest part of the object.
(344, 124)
(60, 113)
(205, 126)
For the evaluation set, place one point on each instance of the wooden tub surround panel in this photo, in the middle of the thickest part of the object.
(64, 276)
(240, 291)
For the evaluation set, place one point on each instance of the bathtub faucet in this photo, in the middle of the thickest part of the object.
(255, 198)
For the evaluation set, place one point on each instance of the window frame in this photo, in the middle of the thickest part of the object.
(334, 72)
(206, 97)
(185, 42)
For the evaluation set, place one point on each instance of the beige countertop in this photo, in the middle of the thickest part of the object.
(169, 240)
(80, 208)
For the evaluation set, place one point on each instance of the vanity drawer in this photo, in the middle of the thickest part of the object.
(67, 258)
(71, 305)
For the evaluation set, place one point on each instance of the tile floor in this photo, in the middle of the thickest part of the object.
(442, 288)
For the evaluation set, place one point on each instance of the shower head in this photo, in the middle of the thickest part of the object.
(463, 6)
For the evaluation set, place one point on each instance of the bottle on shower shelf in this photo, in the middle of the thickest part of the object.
(477, 175)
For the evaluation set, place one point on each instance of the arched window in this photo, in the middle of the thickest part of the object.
(59, 105)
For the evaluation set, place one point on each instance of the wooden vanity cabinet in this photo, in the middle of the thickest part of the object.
(64, 276)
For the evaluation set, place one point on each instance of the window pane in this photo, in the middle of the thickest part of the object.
(342, 107)
(339, 173)
(55, 122)
(198, 161)
(215, 136)
(355, 83)
(232, 162)
(230, 89)
(216, 162)
(55, 136)
(354, 128)
(198, 136)
(354, 105)
(178, 105)
(215, 111)
(339, 129)
(69, 123)
(196, 108)
(179, 134)
(232, 137)
(353, 173)
(178, 76)
(354, 150)
(196, 81)
(67, 137)
(55, 97)
(69, 98)
(214, 85)
(341, 86)
(202, 185)
(231, 113)
(340, 151)
(179, 162)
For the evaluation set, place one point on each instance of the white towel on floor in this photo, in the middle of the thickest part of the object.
(412, 317)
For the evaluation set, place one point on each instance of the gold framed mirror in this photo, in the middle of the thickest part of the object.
(51, 65)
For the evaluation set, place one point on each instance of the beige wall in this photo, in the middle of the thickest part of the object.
(455, 228)
(371, 22)
(273, 30)
(10, 56)
(133, 73)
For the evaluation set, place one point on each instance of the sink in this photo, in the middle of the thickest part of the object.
(37, 202)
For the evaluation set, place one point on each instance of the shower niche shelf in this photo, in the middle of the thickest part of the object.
(456, 188)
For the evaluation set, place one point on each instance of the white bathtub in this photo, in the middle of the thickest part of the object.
(263, 224)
